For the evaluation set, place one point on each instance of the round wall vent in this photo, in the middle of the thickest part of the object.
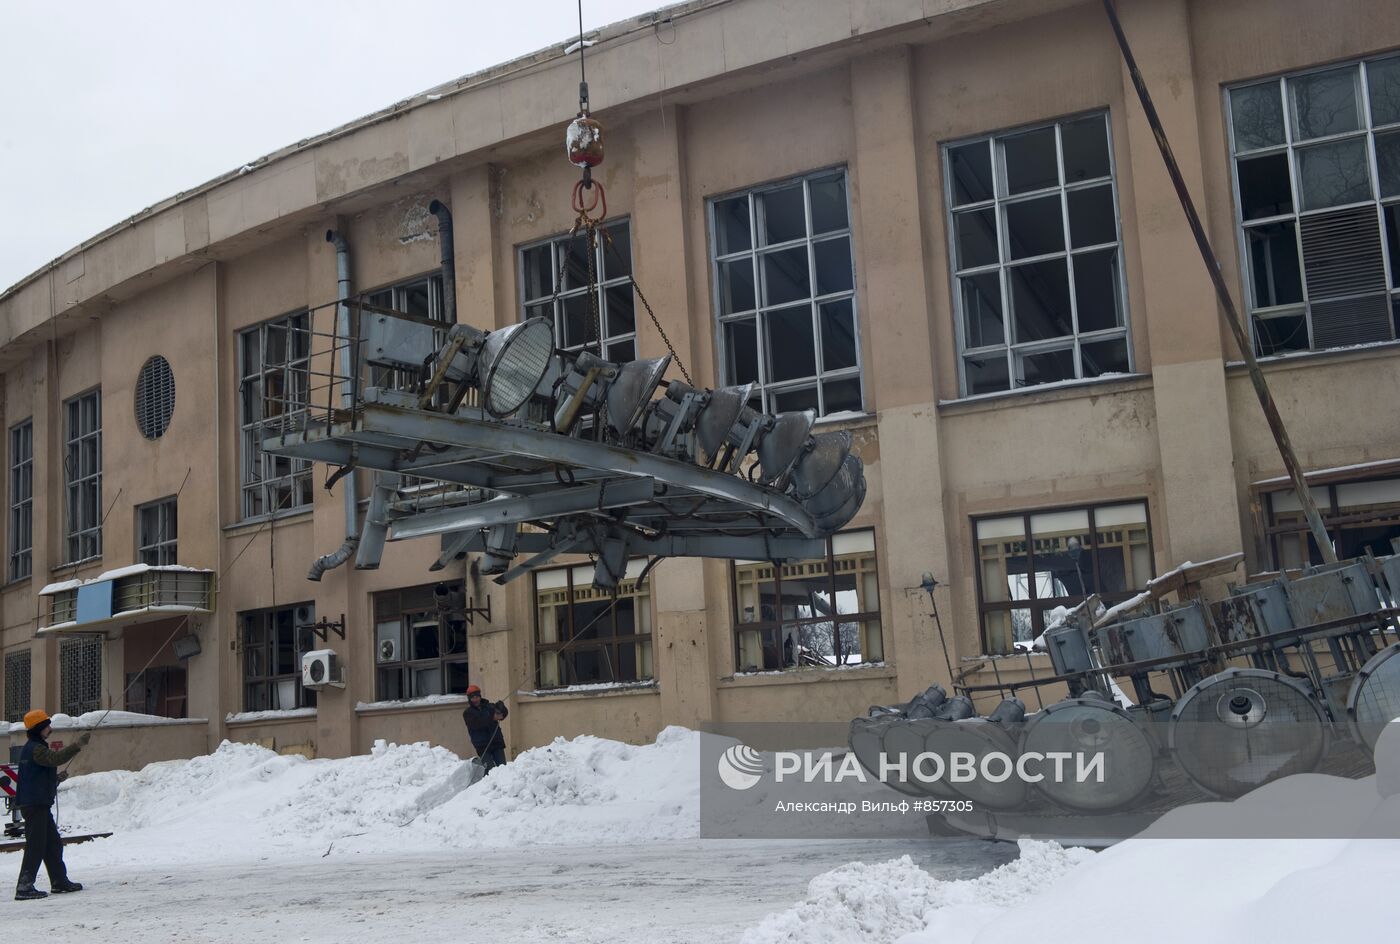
(155, 397)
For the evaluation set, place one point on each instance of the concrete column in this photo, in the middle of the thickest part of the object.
(680, 642)
(474, 231)
(1183, 325)
(897, 358)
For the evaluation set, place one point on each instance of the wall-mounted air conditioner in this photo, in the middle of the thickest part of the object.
(321, 668)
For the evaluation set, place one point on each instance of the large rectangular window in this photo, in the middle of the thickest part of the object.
(1360, 515)
(784, 288)
(1037, 256)
(157, 533)
(420, 642)
(273, 362)
(273, 641)
(422, 297)
(813, 613)
(1317, 197)
(17, 695)
(584, 635)
(21, 500)
(554, 278)
(1030, 563)
(80, 674)
(82, 475)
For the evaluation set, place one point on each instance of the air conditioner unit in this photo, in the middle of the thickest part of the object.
(321, 668)
(304, 616)
(388, 650)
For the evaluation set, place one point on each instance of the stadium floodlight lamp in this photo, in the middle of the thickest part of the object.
(783, 443)
(630, 391)
(1085, 727)
(511, 363)
(820, 462)
(838, 502)
(1374, 701)
(717, 419)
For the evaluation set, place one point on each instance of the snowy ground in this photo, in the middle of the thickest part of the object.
(592, 840)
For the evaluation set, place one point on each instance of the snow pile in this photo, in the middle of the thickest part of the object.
(108, 719)
(246, 801)
(890, 901)
(585, 791)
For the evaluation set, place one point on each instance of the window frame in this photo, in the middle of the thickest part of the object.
(87, 647)
(779, 625)
(764, 389)
(302, 643)
(558, 296)
(1282, 526)
(1034, 603)
(15, 706)
(1367, 132)
(1002, 198)
(406, 667)
(20, 549)
(610, 644)
(82, 538)
(165, 549)
(257, 482)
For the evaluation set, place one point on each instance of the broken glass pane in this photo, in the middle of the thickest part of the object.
(1104, 357)
(1392, 241)
(1334, 174)
(1085, 144)
(732, 225)
(783, 214)
(838, 335)
(736, 285)
(1388, 163)
(785, 276)
(1096, 282)
(1040, 301)
(1265, 187)
(578, 321)
(741, 346)
(976, 238)
(1047, 367)
(1273, 264)
(982, 311)
(986, 373)
(971, 169)
(1324, 103)
(1383, 77)
(832, 259)
(791, 347)
(828, 204)
(621, 316)
(842, 396)
(1091, 217)
(1034, 227)
(803, 398)
(1030, 160)
(1257, 114)
(617, 252)
(1281, 333)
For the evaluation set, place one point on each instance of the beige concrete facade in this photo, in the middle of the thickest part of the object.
(749, 92)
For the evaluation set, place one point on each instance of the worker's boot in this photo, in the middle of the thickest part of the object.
(25, 891)
(58, 888)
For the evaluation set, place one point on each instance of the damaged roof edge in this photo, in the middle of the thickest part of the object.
(549, 55)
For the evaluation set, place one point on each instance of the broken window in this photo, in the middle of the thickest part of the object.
(1361, 514)
(157, 533)
(273, 642)
(585, 635)
(1319, 233)
(581, 318)
(82, 473)
(785, 293)
(420, 642)
(1037, 257)
(1030, 563)
(817, 613)
(273, 382)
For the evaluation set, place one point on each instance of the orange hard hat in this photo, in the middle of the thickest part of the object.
(473, 689)
(32, 719)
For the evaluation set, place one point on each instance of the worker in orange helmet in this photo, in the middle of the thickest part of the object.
(39, 778)
(483, 719)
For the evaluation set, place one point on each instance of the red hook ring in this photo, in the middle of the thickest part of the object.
(599, 199)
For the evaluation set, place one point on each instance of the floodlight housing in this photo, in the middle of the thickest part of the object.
(512, 362)
(1374, 700)
(820, 462)
(630, 391)
(717, 419)
(1088, 726)
(783, 443)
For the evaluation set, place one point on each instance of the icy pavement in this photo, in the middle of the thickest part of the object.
(660, 892)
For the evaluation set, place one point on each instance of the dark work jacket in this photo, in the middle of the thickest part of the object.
(38, 771)
(485, 731)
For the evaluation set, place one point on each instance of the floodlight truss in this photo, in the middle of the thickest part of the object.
(517, 487)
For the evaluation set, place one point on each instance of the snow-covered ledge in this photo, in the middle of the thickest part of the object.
(264, 717)
(809, 674)
(409, 704)
(107, 719)
(591, 690)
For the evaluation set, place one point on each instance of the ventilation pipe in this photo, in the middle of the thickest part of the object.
(449, 266)
(347, 371)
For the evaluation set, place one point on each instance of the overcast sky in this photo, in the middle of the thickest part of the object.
(107, 108)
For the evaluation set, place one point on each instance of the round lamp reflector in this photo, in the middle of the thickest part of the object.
(513, 361)
(820, 464)
(782, 444)
(1085, 728)
(1374, 701)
